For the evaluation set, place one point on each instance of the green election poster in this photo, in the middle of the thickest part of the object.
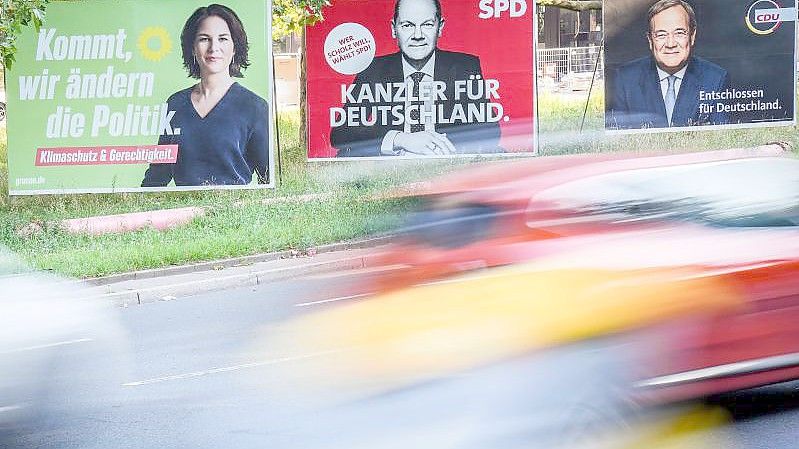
(142, 95)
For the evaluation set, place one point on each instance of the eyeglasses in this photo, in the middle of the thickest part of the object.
(677, 35)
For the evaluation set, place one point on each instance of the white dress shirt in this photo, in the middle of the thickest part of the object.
(664, 81)
(387, 146)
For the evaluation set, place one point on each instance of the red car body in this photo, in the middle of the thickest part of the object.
(518, 212)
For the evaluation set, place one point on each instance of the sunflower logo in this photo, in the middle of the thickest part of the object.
(154, 43)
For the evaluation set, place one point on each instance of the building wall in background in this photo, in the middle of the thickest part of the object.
(287, 71)
(558, 28)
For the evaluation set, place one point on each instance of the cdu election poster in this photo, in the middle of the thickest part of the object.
(142, 95)
(690, 64)
(421, 78)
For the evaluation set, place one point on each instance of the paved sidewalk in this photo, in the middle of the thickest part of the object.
(183, 281)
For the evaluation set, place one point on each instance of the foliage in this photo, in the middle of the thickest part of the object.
(291, 16)
(14, 15)
(288, 16)
(315, 204)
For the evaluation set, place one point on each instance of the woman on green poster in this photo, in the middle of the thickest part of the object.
(223, 133)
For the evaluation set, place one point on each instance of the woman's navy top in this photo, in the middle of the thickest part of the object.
(223, 148)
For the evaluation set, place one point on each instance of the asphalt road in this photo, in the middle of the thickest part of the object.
(175, 346)
(190, 378)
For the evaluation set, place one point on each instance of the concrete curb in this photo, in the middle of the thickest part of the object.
(237, 261)
(166, 284)
(192, 287)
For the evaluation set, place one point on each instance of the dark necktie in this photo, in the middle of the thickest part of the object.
(416, 125)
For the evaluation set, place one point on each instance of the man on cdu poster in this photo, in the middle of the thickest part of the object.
(662, 90)
(690, 64)
(435, 115)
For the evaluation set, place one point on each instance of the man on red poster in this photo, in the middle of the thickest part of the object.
(421, 100)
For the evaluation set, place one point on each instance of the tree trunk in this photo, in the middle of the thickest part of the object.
(303, 137)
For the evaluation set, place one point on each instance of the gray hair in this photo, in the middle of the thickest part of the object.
(662, 5)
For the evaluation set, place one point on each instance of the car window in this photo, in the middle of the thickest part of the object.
(744, 192)
(449, 227)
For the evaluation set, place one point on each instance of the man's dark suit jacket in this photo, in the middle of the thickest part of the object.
(449, 66)
(637, 99)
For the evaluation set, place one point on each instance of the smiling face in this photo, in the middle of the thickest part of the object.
(417, 28)
(213, 46)
(671, 38)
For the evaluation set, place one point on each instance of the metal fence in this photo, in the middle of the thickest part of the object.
(555, 63)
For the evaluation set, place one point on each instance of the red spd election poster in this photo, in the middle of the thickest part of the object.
(421, 78)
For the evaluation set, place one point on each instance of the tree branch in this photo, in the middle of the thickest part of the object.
(573, 5)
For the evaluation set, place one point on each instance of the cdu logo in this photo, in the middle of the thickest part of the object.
(765, 16)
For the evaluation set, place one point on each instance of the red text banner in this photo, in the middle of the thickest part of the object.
(107, 155)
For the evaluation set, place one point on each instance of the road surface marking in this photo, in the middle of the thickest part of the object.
(343, 298)
(10, 408)
(447, 281)
(50, 345)
(225, 369)
(355, 272)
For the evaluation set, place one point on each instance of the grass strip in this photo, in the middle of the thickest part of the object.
(241, 223)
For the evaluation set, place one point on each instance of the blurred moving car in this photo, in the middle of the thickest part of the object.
(562, 293)
(502, 213)
(732, 219)
(56, 343)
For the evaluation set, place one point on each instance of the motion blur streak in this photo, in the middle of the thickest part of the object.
(533, 304)
(57, 339)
